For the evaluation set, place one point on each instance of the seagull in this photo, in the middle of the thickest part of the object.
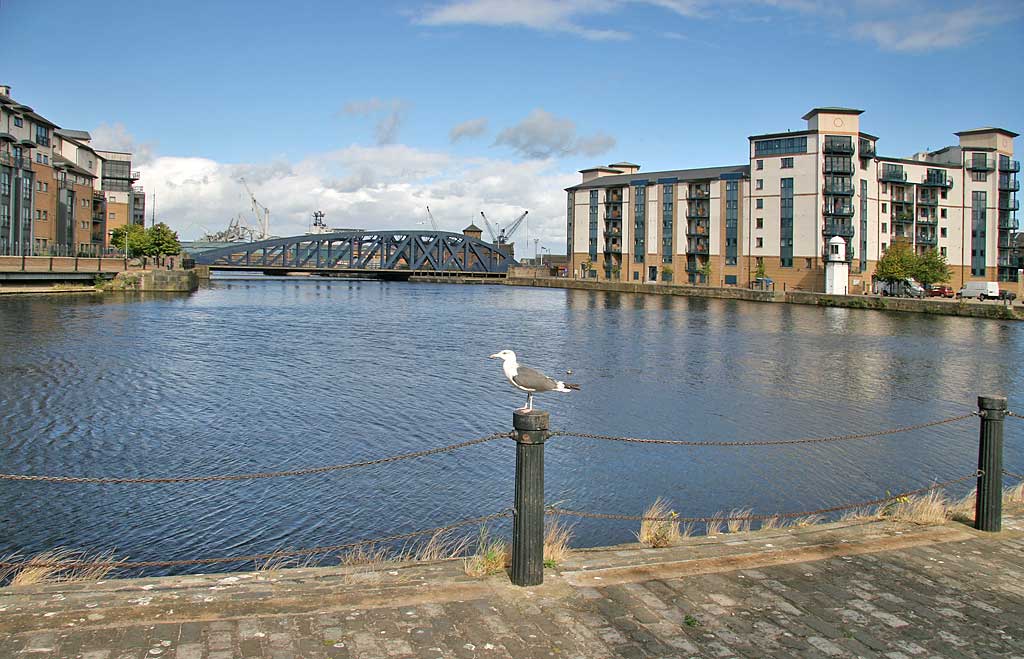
(529, 380)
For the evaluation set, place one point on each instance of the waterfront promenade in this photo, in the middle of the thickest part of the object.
(854, 589)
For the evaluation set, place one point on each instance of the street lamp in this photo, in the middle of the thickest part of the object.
(542, 250)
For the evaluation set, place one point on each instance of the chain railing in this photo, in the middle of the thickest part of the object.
(531, 431)
(241, 477)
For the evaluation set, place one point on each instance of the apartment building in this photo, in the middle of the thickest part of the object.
(776, 213)
(58, 195)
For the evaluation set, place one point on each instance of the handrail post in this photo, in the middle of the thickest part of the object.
(531, 431)
(988, 507)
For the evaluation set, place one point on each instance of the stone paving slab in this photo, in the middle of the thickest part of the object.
(841, 590)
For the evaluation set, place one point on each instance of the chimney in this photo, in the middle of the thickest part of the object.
(5, 90)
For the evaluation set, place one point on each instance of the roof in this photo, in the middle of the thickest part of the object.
(911, 161)
(599, 169)
(74, 134)
(788, 133)
(624, 164)
(473, 227)
(61, 161)
(987, 129)
(831, 110)
(701, 174)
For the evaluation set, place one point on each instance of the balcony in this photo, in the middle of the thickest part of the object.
(135, 176)
(1009, 186)
(1006, 204)
(1007, 261)
(1009, 165)
(697, 229)
(927, 239)
(929, 221)
(906, 200)
(612, 233)
(697, 212)
(1006, 242)
(840, 147)
(697, 247)
(697, 193)
(844, 229)
(833, 189)
(613, 247)
(903, 218)
(614, 214)
(893, 175)
(23, 162)
(837, 210)
(980, 165)
(866, 148)
(937, 181)
(927, 200)
(843, 167)
(1007, 222)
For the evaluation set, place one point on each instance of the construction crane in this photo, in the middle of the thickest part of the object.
(261, 212)
(502, 236)
(433, 222)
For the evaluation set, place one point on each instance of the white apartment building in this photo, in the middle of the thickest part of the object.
(776, 213)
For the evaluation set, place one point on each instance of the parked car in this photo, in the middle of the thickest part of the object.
(900, 288)
(982, 290)
(941, 290)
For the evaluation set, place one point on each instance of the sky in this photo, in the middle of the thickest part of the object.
(371, 111)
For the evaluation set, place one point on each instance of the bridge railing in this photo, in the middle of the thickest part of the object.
(531, 431)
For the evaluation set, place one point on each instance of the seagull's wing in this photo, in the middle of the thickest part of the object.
(528, 378)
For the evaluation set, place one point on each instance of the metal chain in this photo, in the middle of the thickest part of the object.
(1014, 415)
(1019, 477)
(755, 518)
(256, 557)
(805, 440)
(267, 474)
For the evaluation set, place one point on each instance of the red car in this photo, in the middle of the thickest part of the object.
(940, 290)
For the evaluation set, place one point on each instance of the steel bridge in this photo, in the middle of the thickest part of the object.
(384, 254)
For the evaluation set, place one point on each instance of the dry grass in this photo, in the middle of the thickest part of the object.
(714, 525)
(279, 560)
(59, 565)
(1014, 494)
(441, 546)
(739, 525)
(688, 529)
(859, 514)
(491, 557)
(659, 533)
(930, 508)
(772, 522)
(809, 520)
(962, 510)
(557, 537)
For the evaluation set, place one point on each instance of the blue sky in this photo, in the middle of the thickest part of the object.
(373, 110)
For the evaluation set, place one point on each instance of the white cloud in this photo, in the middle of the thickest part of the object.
(545, 15)
(927, 32)
(390, 115)
(470, 128)
(382, 187)
(543, 135)
(115, 137)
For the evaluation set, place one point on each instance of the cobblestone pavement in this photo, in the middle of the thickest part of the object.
(854, 590)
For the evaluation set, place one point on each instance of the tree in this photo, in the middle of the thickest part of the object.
(899, 263)
(705, 272)
(932, 268)
(137, 236)
(759, 272)
(162, 241)
(666, 273)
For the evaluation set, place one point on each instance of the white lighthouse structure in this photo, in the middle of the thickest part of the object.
(837, 270)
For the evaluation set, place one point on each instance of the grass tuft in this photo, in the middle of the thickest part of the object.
(557, 537)
(1014, 493)
(739, 525)
(492, 555)
(772, 522)
(441, 546)
(930, 508)
(60, 565)
(659, 533)
(714, 525)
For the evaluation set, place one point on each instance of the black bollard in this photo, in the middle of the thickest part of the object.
(988, 510)
(531, 431)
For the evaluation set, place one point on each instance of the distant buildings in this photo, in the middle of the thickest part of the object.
(59, 195)
(776, 213)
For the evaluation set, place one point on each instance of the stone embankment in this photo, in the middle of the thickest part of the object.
(154, 281)
(848, 589)
(967, 308)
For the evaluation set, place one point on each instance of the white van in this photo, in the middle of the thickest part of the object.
(983, 290)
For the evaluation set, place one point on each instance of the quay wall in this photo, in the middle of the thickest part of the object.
(155, 281)
(969, 309)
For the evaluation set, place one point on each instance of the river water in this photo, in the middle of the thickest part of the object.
(255, 375)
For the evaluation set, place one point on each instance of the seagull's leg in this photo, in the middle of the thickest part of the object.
(529, 401)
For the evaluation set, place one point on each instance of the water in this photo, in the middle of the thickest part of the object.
(253, 375)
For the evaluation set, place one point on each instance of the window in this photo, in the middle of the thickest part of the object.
(786, 223)
(760, 203)
(780, 146)
(760, 164)
(5, 184)
(732, 205)
(979, 177)
(885, 227)
(885, 187)
(885, 207)
(945, 193)
(760, 184)
(787, 163)
(942, 232)
(636, 275)
(759, 242)
(759, 223)
(943, 213)
(19, 122)
(112, 216)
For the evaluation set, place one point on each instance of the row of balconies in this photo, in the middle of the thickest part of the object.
(22, 162)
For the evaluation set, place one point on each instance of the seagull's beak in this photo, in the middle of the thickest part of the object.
(494, 356)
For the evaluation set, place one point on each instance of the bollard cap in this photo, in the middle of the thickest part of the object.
(530, 420)
(992, 403)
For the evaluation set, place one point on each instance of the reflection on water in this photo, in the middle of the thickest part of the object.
(285, 373)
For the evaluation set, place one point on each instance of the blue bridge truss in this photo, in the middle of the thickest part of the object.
(371, 252)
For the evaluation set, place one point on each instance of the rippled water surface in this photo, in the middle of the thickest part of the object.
(253, 375)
